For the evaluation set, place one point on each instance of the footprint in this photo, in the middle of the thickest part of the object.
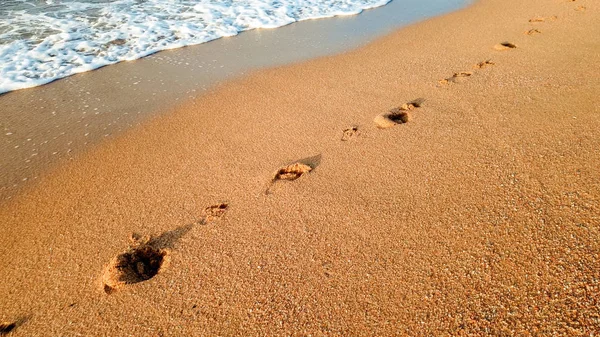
(580, 8)
(350, 133)
(6, 327)
(144, 259)
(456, 78)
(327, 268)
(417, 103)
(484, 64)
(294, 171)
(533, 32)
(392, 118)
(537, 19)
(543, 19)
(398, 115)
(214, 212)
(136, 265)
(505, 46)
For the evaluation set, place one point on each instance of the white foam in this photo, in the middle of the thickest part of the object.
(39, 45)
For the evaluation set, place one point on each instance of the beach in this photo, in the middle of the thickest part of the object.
(446, 183)
(54, 123)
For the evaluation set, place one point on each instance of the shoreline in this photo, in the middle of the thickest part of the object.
(46, 125)
(478, 216)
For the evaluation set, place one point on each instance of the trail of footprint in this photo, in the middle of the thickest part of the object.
(505, 46)
(484, 64)
(397, 116)
(143, 260)
(350, 133)
(295, 170)
(533, 32)
(456, 78)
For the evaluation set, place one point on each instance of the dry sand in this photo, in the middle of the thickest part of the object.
(476, 213)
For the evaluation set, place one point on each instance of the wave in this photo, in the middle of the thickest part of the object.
(42, 42)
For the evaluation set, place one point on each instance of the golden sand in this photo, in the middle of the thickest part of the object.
(477, 215)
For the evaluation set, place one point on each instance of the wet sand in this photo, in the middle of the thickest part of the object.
(47, 125)
(447, 184)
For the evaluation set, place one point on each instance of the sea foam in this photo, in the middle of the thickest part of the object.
(45, 41)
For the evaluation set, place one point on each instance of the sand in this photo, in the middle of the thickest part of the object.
(474, 212)
(54, 123)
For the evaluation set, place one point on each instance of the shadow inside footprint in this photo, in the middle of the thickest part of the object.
(397, 116)
(394, 117)
(505, 46)
(142, 261)
(136, 265)
(533, 31)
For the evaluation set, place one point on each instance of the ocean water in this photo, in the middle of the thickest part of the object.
(44, 40)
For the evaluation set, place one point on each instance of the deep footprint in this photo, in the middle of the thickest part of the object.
(136, 265)
(350, 133)
(145, 258)
(392, 118)
(505, 46)
(397, 116)
(533, 32)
